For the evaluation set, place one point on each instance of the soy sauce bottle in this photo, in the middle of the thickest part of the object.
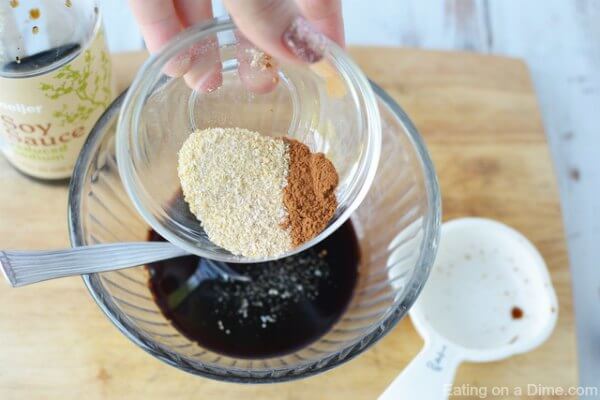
(55, 81)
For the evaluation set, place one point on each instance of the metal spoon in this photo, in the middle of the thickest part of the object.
(22, 268)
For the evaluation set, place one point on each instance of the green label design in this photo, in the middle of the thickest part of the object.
(91, 83)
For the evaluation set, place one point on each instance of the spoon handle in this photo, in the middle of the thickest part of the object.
(429, 375)
(22, 268)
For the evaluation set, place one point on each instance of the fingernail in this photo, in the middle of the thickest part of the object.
(304, 41)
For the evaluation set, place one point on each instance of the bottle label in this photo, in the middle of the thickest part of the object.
(45, 119)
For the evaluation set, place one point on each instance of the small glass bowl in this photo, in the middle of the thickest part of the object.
(329, 106)
(397, 226)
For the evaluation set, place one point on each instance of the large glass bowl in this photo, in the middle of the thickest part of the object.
(329, 106)
(397, 225)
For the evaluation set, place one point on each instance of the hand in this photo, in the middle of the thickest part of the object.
(289, 30)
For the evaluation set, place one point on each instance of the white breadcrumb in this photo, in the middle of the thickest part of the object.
(259, 59)
(233, 181)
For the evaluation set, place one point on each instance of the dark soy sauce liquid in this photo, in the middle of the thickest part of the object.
(289, 304)
(39, 60)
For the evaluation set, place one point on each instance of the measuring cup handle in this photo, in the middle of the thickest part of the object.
(429, 375)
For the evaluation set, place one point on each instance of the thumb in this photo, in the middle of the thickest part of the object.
(278, 28)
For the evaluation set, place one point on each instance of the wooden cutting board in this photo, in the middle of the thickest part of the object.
(480, 119)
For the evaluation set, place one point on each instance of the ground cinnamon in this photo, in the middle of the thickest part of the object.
(309, 196)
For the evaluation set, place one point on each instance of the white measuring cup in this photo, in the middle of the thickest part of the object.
(489, 297)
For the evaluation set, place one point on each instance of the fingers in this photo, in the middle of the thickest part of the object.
(326, 16)
(204, 73)
(191, 12)
(257, 70)
(159, 23)
(157, 20)
(277, 27)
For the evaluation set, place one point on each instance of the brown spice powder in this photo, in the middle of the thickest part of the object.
(310, 192)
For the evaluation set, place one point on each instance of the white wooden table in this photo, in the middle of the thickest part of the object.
(560, 40)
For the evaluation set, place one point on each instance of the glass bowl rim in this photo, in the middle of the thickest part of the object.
(432, 225)
(360, 183)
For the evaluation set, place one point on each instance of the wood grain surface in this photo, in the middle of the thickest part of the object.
(480, 119)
